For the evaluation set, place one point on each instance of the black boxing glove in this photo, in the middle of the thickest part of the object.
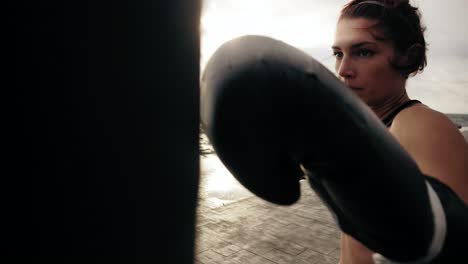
(272, 112)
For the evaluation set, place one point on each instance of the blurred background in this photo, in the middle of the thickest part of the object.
(310, 25)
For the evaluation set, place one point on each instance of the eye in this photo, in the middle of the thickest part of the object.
(364, 53)
(338, 54)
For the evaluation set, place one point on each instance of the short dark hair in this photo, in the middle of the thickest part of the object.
(400, 23)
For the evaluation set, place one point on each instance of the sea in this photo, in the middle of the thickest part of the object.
(460, 120)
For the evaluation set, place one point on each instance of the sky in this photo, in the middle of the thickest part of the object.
(309, 25)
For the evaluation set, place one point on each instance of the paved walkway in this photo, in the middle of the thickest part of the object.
(236, 227)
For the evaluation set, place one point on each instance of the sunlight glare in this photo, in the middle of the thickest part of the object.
(224, 20)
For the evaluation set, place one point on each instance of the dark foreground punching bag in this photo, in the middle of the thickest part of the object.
(101, 117)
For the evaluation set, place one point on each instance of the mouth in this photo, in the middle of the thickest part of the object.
(354, 88)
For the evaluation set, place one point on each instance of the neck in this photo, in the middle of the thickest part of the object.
(385, 108)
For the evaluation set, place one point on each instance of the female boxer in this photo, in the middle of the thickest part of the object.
(272, 112)
(378, 45)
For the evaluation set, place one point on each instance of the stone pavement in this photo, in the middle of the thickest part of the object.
(248, 230)
(235, 227)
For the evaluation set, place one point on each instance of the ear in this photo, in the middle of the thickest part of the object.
(412, 56)
(411, 59)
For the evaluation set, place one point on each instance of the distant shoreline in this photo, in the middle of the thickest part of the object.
(459, 119)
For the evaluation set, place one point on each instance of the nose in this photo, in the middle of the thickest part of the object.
(344, 68)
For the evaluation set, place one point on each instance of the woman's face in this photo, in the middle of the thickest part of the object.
(363, 62)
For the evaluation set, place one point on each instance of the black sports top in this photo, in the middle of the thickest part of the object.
(389, 119)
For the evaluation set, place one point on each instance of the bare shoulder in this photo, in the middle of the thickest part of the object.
(436, 144)
(421, 123)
